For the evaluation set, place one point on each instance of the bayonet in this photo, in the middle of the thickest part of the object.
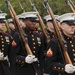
(21, 7)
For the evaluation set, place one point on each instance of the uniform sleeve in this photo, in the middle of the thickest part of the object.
(53, 58)
(17, 57)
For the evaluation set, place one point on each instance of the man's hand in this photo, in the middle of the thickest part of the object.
(69, 68)
(30, 59)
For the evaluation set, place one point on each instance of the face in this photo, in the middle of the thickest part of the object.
(22, 23)
(11, 26)
(31, 25)
(2, 25)
(37, 25)
(50, 26)
(68, 29)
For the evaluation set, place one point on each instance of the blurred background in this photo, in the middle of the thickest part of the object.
(58, 6)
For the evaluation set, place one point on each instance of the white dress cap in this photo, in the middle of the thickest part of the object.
(29, 14)
(10, 20)
(48, 17)
(2, 15)
(67, 17)
(20, 16)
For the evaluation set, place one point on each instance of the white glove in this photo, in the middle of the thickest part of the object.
(1, 56)
(30, 59)
(69, 68)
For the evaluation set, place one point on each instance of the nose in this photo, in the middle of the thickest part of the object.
(34, 23)
(73, 27)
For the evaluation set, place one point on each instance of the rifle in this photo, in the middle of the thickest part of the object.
(7, 26)
(59, 36)
(41, 21)
(21, 7)
(15, 18)
(70, 3)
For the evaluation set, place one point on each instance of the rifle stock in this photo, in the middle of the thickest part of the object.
(61, 42)
(69, 2)
(7, 26)
(15, 18)
(41, 22)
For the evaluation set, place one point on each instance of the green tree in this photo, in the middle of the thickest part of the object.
(58, 6)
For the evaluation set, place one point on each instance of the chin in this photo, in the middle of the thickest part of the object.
(72, 33)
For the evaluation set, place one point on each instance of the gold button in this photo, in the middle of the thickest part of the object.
(1, 35)
(58, 67)
(32, 35)
(19, 60)
(62, 68)
(1, 38)
(73, 54)
(33, 43)
(34, 47)
(2, 45)
(2, 48)
(74, 59)
(33, 39)
(39, 42)
(2, 41)
(33, 51)
(73, 50)
(22, 61)
(70, 41)
(72, 46)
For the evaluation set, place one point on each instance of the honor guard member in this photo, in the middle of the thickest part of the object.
(5, 48)
(23, 63)
(54, 60)
(50, 30)
(21, 18)
(49, 23)
(11, 27)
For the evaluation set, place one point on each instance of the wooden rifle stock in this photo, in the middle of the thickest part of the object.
(7, 26)
(13, 14)
(71, 5)
(41, 22)
(43, 27)
(50, 12)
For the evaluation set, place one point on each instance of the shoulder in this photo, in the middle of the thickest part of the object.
(53, 43)
(8, 35)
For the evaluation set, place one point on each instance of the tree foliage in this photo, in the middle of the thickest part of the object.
(58, 6)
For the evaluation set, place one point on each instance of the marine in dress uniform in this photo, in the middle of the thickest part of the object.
(11, 27)
(54, 59)
(21, 19)
(5, 48)
(50, 30)
(49, 24)
(23, 63)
